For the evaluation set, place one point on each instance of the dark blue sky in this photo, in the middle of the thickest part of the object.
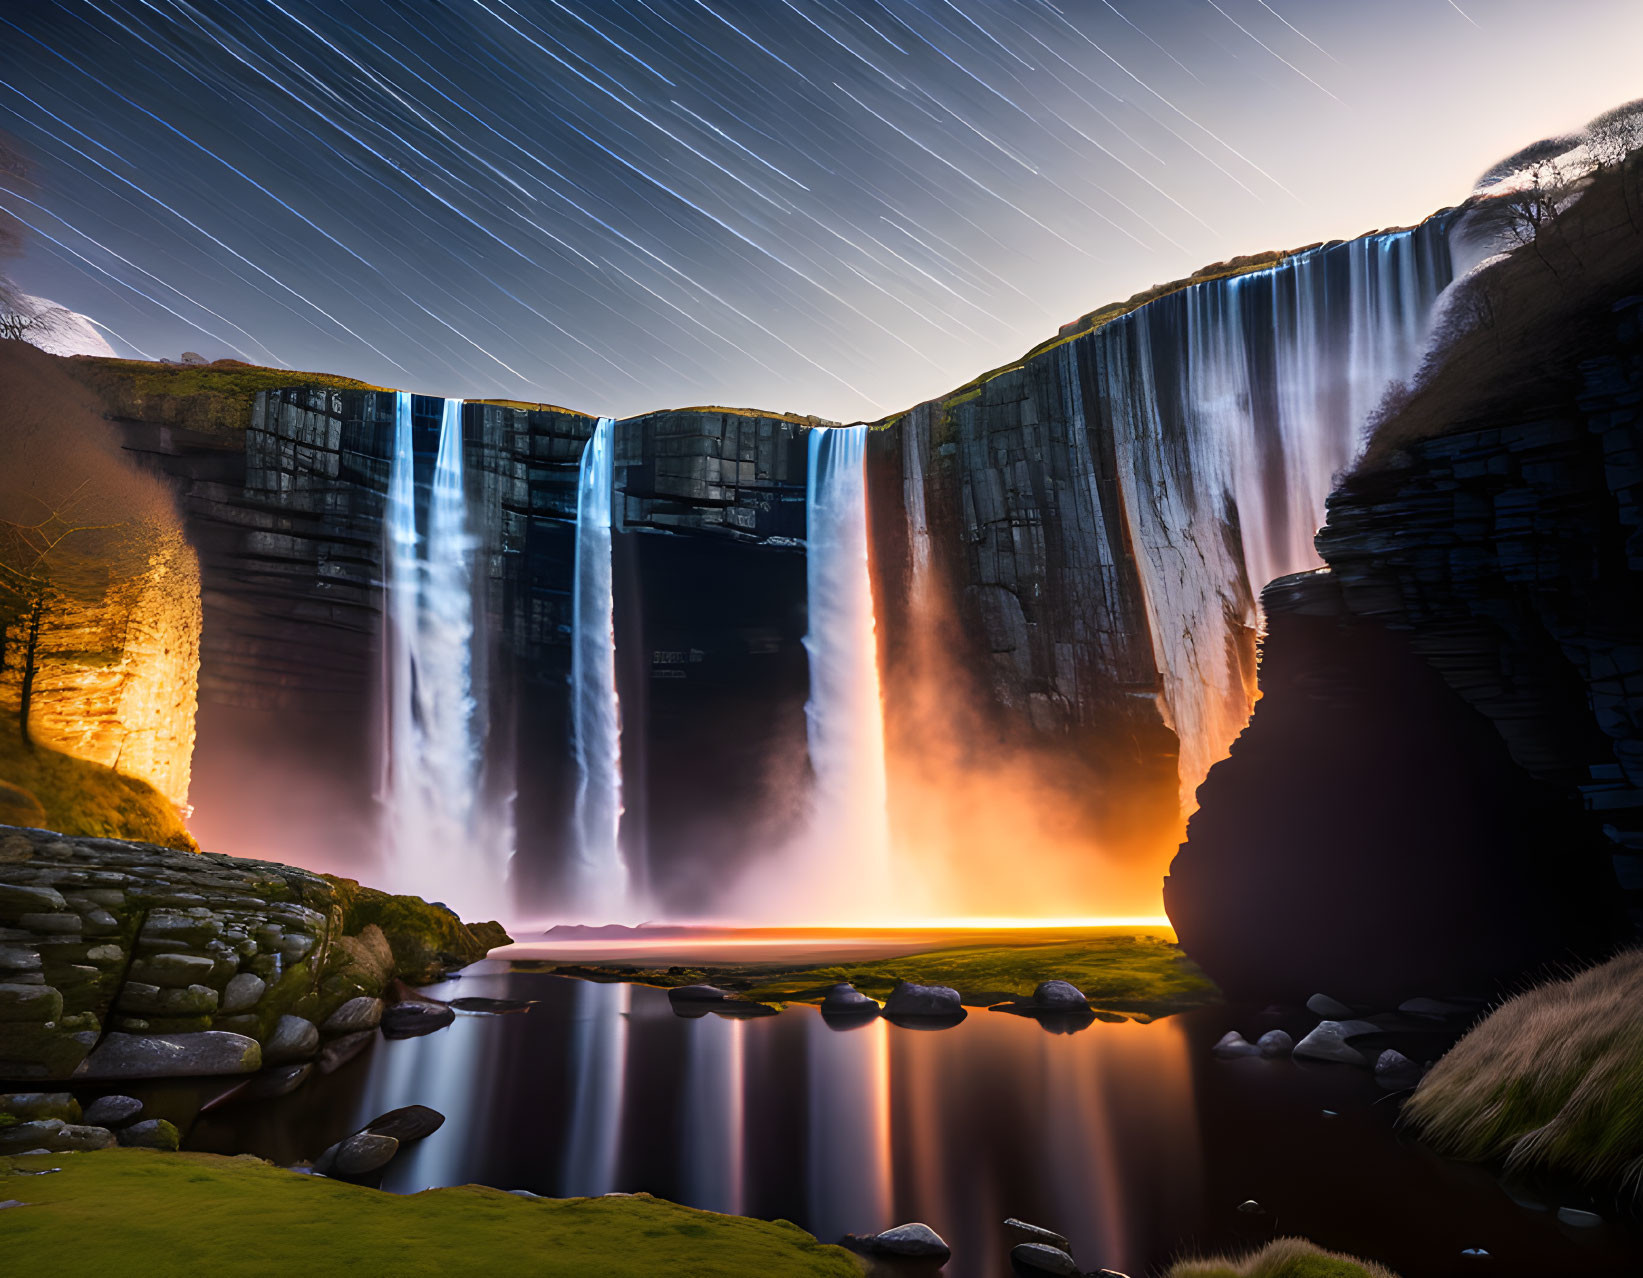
(833, 206)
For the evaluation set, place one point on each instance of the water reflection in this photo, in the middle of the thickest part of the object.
(599, 1039)
(848, 1126)
(712, 1155)
(1130, 1139)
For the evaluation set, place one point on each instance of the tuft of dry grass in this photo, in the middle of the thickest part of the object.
(1281, 1258)
(1552, 1080)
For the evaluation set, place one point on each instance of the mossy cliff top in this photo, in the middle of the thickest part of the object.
(211, 398)
(134, 1211)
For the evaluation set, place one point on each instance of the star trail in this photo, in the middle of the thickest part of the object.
(831, 206)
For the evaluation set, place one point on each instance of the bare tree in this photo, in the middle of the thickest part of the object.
(1527, 212)
(36, 567)
(1613, 139)
(23, 319)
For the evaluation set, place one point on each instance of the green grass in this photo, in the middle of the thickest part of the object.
(1123, 973)
(1552, 1081)
(131, 1211)
(1282, 1258)
(213, 398)
(89, 799)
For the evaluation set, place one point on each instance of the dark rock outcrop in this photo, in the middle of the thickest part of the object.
(1443, 781)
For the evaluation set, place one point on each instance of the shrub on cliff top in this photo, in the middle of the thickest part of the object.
(1282, 1258)
(1551, 1080)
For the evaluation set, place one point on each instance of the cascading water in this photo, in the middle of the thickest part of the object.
(600, 887)
(843, 717)
(1232, 405)
(439, 843)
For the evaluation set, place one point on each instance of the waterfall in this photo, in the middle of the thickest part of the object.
(1232, 406)
(843, 717)
(439, 846)
(601, 885)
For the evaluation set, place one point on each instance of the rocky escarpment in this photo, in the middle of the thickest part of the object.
(1370, 834)
(1502, 562)
(1511, 551)
(287, 514)
(126, 960)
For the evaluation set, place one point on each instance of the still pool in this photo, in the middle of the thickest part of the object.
(1128, 1138)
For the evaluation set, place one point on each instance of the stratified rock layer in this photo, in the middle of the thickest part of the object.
(1443, 780)
(115, 957)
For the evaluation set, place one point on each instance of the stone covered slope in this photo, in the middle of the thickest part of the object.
(127, 960)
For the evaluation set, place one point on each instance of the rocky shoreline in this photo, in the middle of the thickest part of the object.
(126, 960)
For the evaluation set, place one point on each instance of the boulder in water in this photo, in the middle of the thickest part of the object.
(844, 999)
(1060, 996)
(1327, 1043)
(1232, 1044)
(931, 1001)
(1040, 1260)
(1331, 1009)
(408, 1020)
(913, 1241)
(1275, 1043)
(408, 1123)
(363, 1153)
(697, 994)
(339, 1051)
(1037, 1234)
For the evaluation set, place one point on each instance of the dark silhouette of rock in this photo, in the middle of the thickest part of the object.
(408, 1020)
(924, 1001)
(1039, 1260)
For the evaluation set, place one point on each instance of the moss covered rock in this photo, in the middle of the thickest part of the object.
(157, 957)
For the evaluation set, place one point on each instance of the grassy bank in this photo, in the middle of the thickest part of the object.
(1283, 1258)
(1552, 1080)
(78, 797)
(132, 1211)
(214, 398)
(1122, 973)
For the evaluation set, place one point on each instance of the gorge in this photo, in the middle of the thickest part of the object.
(829, 707)
(1077, 541)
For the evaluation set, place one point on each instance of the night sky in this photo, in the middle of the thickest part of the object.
(829, 206)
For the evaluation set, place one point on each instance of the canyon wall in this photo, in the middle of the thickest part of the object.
(1449, 741)
(99, 588)
(1065, 555)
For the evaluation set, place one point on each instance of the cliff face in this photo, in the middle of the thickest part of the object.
(1077, 540)
(1501, 562)
(288, 520)
(99, 588)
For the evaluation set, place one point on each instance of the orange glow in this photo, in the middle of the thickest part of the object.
(998, 816)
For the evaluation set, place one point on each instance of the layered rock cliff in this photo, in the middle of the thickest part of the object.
(124, 960)
(1065, 555)
(1448, 746)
